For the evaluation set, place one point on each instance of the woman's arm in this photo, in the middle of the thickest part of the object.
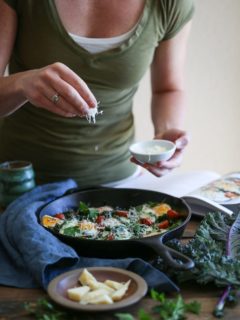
(168, 90)
(10, 96)
(40, 85)
(169, 98)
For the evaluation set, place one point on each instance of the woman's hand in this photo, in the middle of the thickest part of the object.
(58, 89)
(181, 139)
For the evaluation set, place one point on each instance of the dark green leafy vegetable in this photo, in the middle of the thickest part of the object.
(71, 231)
(90, 213)
(83, 208)
(208, 250)
(215, 250)
(162, 217)
(231, 238)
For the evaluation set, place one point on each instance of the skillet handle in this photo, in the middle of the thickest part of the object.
(170, 255)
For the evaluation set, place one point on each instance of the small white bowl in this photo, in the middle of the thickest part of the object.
(152, 151)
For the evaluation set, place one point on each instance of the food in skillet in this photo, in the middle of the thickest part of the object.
(108, 223)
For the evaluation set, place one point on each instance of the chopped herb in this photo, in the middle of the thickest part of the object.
(162, 217)
(89, 213)
(93, 213)
(83, 208)
(71, 231)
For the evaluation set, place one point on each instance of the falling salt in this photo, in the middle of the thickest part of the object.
(96, 148)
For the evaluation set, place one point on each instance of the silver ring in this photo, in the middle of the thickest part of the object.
(55, 98)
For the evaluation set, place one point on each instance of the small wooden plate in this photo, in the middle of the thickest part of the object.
(57, 288)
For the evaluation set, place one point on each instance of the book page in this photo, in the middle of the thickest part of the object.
(175, 183)
(225, 190)
(201, 205)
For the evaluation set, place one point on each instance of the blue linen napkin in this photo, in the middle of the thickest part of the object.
(31, 257)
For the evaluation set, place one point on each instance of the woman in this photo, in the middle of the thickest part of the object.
(63, 57)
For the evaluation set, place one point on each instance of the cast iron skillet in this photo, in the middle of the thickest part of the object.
(146, 248)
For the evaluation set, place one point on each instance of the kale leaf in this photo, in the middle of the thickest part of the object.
(215, 250)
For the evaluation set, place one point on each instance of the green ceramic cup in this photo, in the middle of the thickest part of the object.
(16, 178)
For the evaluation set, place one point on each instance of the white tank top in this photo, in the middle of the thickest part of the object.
(96, 45)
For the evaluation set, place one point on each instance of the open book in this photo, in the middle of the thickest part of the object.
(204, 191)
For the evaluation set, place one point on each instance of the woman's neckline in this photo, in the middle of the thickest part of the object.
(56, 20)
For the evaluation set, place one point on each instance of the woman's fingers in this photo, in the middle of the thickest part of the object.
(182, 142)
(42, 96)
(172, 163)
(59, 90)
(45, 103)
(158, 172)
(71, 96)
(162, 167)
(76, 82)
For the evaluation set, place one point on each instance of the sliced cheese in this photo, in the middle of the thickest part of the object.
(99, 296)
(113, 284)
(104, 299)
(94, 285)
(86, 277)
(96, 292)
(77, 293)
(117, 295)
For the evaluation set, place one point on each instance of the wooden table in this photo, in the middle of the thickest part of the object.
(12, 299)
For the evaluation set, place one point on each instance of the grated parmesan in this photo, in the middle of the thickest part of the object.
(155, 149)
(92, 113)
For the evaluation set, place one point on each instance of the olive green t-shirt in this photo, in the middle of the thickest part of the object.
(59, 147)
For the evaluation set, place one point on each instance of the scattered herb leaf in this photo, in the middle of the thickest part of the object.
(43, 309)
(124, 316)
(167, 309)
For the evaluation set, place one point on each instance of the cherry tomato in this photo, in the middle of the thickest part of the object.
(164, 224)
(110, 237)
(122, 213)
(100, 219)
(146, 221)
(172, 214)
(60, 216)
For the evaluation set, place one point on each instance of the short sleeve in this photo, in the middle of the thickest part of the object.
(12, 4)
(177, 14)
